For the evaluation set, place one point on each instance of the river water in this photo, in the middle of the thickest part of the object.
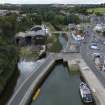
(60, 88)
(63, 41)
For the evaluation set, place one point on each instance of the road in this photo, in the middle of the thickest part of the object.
(85, 52)
(21, 91)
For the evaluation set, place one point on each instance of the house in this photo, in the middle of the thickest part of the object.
(3, 12)
(39, 33)
(78, 33)
(35, 36)
(99, 27)
(72, 26)
(20, 39)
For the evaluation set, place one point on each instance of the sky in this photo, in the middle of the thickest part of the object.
(53, 1)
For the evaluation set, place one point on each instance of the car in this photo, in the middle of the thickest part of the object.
(96, 55)
(104, 42)
(94, 46)
(103, 68)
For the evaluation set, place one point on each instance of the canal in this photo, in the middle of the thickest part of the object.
(60, 88)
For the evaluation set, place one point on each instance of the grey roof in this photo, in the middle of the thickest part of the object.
(31, 33)
(34, 28)
(35, 33)
(41, 31)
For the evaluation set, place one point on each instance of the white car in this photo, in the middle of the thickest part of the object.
(104, 42)
(94, 46)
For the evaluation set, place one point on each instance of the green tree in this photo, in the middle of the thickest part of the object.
(72, 18)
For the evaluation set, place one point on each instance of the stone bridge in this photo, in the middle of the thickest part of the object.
(65, 56)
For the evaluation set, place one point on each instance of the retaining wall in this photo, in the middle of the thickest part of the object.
(35, 83)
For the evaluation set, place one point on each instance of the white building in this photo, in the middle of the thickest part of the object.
(3, 12)
(99, 27)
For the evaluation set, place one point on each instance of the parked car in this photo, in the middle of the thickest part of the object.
(94, 46)
(94, 55)
(98, 63)
(104, 42)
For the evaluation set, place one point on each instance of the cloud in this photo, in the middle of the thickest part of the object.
(54, 1)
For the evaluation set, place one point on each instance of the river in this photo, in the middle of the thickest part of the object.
(60, 88)
(63, 41)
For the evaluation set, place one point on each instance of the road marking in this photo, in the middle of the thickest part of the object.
(9, 103)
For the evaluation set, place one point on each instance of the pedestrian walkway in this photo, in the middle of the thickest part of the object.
(94, 83)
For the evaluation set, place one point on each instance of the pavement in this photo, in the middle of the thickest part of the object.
(93, 82)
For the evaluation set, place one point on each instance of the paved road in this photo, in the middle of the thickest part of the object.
(87, 57)
(16, 99)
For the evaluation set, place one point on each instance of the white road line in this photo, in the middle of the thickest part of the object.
(9, 103)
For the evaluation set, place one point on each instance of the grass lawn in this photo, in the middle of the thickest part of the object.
(27, 53)
(65, 28)
(101, 10)
(54, 44)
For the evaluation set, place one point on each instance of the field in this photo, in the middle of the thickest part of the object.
(101, 10)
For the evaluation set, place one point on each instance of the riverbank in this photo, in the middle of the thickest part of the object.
(28, 53)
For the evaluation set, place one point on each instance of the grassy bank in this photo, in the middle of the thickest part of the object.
(95, 10)
(28, 54)
(53, 44)
(50, 26)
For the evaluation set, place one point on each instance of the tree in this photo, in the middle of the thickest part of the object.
(8, 26)
(72, 18)
(99, 14)
(58, 19)
(8, 50)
